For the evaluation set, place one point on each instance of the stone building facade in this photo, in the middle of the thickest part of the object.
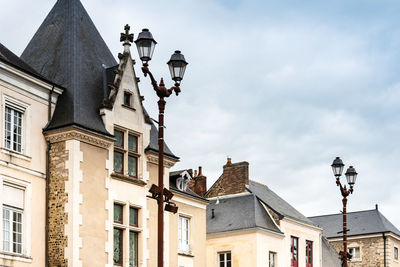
(372, 240)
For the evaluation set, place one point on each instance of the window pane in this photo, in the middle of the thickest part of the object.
(118, 162)
(132, 166)
(6, 230)
(133, 216)
(132, 143)
(117, 213)
(127, 99)
(133, 249)
(119, 138)
(117, 246)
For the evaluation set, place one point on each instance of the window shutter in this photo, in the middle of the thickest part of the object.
(13, 196)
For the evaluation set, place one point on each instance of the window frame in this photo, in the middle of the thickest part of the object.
(12, 211)
(274, 261)
(126, 153)
(225, 260)
(353, 255)
(395, 253)
(294, 246)
(309, 253)
(19, 110)
(184, 244)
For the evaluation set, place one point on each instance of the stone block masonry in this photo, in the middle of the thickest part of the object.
(57, 199)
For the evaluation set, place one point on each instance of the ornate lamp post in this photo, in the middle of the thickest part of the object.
(351, 175)
(145, 44)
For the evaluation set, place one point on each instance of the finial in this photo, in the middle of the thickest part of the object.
(127, 37)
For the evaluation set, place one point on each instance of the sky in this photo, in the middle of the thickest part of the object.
(284, 85)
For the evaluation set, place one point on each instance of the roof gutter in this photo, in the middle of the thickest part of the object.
(384, 249)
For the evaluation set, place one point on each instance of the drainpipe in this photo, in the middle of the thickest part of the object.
(47, 183)
(384, 249)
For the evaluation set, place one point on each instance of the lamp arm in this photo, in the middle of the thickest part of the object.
(160, 89)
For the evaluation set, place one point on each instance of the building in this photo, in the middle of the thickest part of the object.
(249, 225)
(372, 239)
(79, 154)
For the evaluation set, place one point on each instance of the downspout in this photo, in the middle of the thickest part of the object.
(48, 182)
(384, 249)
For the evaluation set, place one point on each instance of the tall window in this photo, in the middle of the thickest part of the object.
(126, 153)
(183, 233)
(355, 252)
(309, 253)
(13, 129)
(294, 250)
(225, 259)
(126, 228)
(13, 208)
(272, 259)
(396, 253)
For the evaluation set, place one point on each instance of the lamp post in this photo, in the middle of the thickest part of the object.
(145, 45)
(351, 175)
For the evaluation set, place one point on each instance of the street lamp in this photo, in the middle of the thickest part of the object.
(145, 45)
(351, 175)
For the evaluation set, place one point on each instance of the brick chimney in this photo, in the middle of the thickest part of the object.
(234, 178)
(199, 183)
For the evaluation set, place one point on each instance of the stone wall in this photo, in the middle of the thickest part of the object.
(371, 251)
(233, 180)
(56, 208)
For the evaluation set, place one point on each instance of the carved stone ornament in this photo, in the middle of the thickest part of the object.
(82, 136)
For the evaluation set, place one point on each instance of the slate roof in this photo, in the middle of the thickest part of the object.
(172, 184)
(11, 59)
(359, 222)
(238, 212)
(276, 203)
(68, 50)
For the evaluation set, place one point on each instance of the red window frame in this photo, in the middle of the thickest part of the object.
(294, 250)
(309, 253)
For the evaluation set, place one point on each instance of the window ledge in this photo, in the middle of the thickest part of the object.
(15, 154)
(186, 254)
(128, 179)
(15, 257)
(128, 107)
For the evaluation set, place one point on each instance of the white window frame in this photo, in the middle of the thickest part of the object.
(359, 252)
(225, 261)
(184, 234)
(274, 258)
(25, 254)
(14, 110)
(11, 230)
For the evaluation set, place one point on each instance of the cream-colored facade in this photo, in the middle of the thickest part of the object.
(25, 168)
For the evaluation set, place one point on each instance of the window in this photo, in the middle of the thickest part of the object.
(272, 259)
(294, 251)
(13, 128)
(128, 99)
(355, 252)
(396, 253)
(225, 259)
(309, 253)
(125, 228)
(13, 208)
(183, 234)
(126, 153)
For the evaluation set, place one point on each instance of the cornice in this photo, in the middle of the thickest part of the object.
(76, 134)
(153, 158)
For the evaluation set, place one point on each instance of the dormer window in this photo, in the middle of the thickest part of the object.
(126, 153)
(183, 181)
(127, 99)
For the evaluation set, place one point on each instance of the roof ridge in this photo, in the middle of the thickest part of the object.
(333, 214)
(259, 183)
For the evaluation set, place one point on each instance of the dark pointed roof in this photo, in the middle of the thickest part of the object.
(68, 50)
(359, 222)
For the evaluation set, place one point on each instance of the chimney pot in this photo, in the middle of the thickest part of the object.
(229, 161)
(195, 173)
(200, 171)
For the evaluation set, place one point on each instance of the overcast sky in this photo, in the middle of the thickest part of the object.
(284, 85)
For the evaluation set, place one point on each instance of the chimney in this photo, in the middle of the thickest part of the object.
(234, 178)
(198, 183)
